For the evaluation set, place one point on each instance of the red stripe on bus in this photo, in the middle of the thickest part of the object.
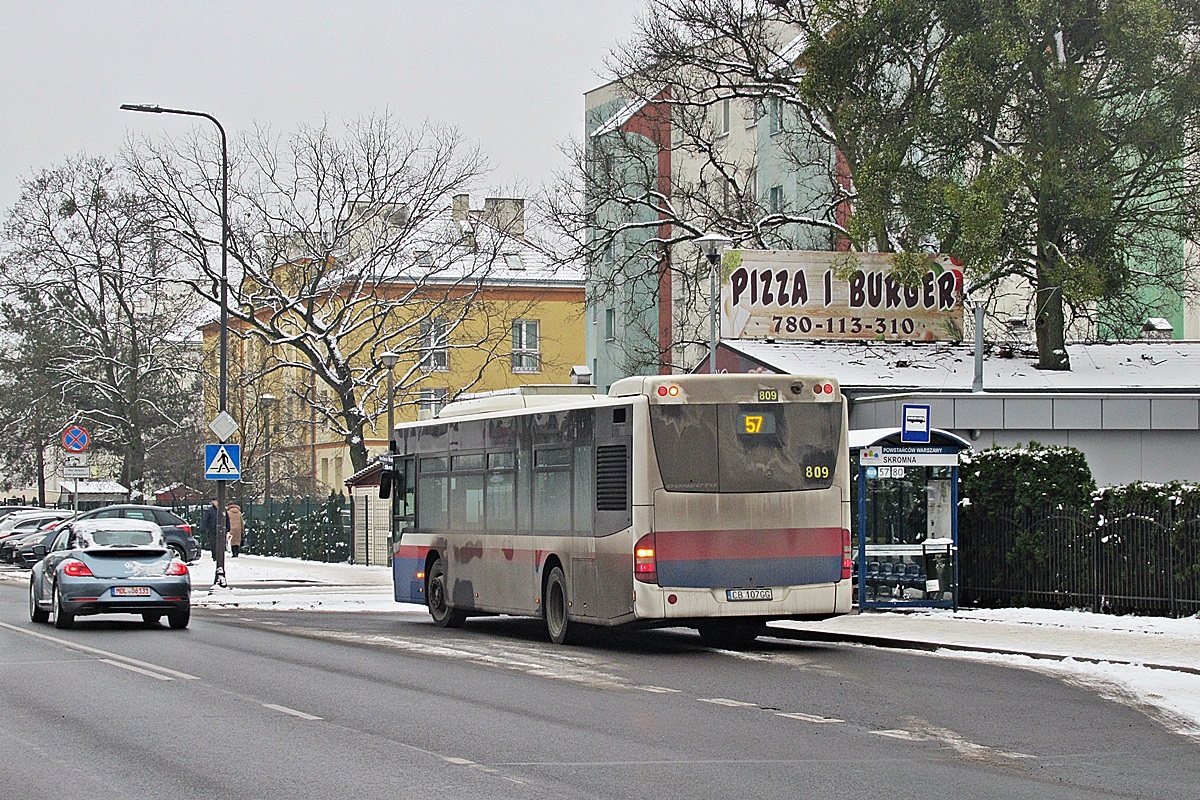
(738, 544)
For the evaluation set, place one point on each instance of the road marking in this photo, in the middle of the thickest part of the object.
(659, 690)
(138, 670)
(291, 712)
(461, 762)
(721, 701)
(83, 648)
(808, 717)
(952, 741)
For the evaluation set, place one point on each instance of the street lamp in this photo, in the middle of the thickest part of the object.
(390, 360)
(978, 305)
(267, 400)
(711, 244)
(223, 376)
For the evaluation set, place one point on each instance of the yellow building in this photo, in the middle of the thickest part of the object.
(501, 317)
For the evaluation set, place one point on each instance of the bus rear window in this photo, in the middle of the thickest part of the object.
(768, 447)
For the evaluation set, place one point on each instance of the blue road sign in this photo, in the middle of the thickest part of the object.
(915, 427)
(75, 439)
(222, 462)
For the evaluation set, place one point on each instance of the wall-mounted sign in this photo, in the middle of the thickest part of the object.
(884, 457)
(915, 429)
(798, 294)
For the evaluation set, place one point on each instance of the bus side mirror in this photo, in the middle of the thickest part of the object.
(385, 484)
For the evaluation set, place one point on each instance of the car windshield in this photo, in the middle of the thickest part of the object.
(119, 538)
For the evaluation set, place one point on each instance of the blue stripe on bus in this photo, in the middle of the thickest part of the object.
(749, 572)
(409, 588)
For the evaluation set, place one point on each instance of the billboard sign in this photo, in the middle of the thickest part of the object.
(799, 294)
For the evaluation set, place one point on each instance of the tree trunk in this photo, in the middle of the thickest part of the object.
(1049, 323)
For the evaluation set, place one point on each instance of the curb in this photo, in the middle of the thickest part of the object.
(910, 644)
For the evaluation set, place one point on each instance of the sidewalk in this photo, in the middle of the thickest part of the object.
(1154, 642)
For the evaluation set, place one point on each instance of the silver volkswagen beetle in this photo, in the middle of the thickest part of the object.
(103, 566)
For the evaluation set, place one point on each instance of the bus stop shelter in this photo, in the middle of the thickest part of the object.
(907, 518)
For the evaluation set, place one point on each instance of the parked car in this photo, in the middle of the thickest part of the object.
(6, 510)
(104, 566)
(175, 528)
(19, 525)
(24, 552)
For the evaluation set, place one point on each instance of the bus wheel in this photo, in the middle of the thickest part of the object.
(554, 608)
(730, 634)
(436, 597)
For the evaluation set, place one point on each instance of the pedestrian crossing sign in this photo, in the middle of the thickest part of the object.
(222, 462)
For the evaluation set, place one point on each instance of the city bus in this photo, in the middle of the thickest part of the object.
(716, 502)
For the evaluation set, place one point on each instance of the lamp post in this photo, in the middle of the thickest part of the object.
(267, 401)
(223, 371)
(390, 360)
(711, 244)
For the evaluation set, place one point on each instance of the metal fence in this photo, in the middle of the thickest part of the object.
(1142, 558)
(298, 527)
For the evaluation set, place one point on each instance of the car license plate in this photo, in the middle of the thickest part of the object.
(131, 591)
(748, 594)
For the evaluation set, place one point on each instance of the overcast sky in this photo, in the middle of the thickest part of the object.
(509, 74)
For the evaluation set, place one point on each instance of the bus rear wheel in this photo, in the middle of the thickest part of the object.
(436, 598)
(555, 610)
(730, 634)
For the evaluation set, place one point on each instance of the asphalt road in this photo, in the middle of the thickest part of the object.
(328, 705)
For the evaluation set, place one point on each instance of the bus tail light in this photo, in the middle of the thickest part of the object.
(645, 565)
(847, 559)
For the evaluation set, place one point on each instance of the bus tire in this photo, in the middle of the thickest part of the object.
(437, 598)
(556, 610)
(730, 634)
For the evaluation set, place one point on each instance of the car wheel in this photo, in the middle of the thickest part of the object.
(36, 614)
(151, 618)
(178, 551)
(436, 598)
(63, 619)
(179, 618)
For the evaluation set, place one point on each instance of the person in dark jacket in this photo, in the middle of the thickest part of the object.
(208, 526)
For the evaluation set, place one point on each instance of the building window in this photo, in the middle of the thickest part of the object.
(513, 261)
(526, 353)
(775, 114)
(723, 117)
(432, 401)
(435, 341)
(776, 200)
(610, 324)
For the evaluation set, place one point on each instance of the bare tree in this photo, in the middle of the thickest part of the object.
(92, 297)
(342, 249)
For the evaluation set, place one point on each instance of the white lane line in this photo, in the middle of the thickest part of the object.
(722, 701)
(808, 717)
(659, 689)
(291, 712)
(461, 762)
(952, 741)
(83, 648)
(139, 670)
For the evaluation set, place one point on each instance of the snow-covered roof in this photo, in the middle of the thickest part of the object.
(68, 486)
(889, 366)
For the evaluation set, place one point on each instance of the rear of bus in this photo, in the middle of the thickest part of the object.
(748, 489)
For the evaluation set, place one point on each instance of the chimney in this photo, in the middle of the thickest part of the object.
(1157, 328)
(460, 207)
(505, 214)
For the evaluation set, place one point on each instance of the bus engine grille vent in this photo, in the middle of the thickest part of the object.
(612, 477)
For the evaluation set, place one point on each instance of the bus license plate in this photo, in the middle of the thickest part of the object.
(131, 591)
(748, 594)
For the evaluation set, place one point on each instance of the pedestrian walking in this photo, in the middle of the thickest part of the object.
(208, 527)
(235, 524)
